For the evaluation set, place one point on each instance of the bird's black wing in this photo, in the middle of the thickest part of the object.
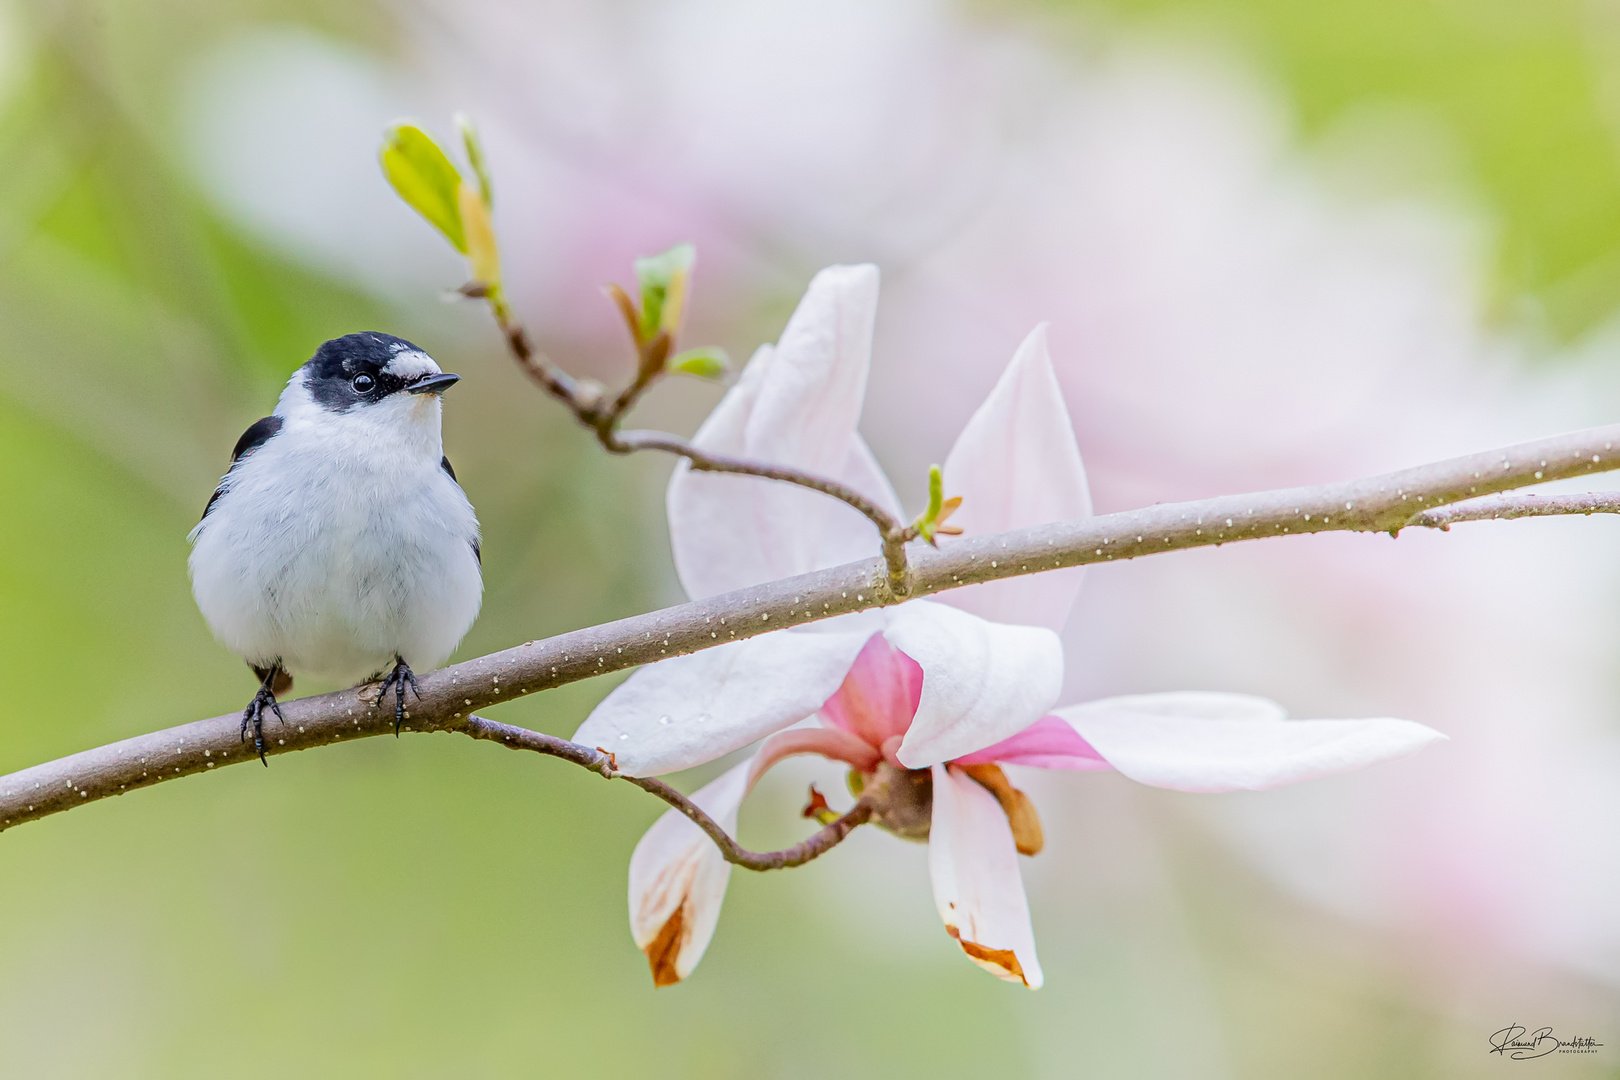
(478, 549)
(253, 438)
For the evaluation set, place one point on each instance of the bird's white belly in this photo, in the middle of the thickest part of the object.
(334, 570)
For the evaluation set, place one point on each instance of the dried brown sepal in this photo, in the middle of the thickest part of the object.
(817, 809)
(665, 949)
(1020, 811)
(1005, 959)
(474, 290)
(947, 508)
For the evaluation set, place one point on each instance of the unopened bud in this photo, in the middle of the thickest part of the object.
(663, 281)
(931, 522)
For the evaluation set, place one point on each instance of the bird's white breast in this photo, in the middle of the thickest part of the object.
(341, 542)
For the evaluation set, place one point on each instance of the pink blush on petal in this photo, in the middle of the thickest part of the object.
(1048, 743)
(1069, 762)
(879, 696)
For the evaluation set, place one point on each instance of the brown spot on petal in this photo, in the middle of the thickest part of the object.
(665, 949)
(1005, 959)
(1020, 811)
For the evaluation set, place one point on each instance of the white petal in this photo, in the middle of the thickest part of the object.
(982, 681)
(1228, 742)
(678, 881)
(1016, 464)
(798, 405)
(973, 862)
(1188, 705)
(707, 512)
(811, 398)
(690, 709)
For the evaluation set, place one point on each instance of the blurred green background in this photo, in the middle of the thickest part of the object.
(434, 908)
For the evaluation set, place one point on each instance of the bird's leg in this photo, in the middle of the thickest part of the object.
(398, 679)
(253, 715)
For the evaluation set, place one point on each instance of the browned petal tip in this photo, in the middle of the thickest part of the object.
(1005, 959)
(1020, 811)
(665, 949)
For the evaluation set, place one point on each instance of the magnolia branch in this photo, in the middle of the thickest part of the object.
(449, 697)
(1506, 507)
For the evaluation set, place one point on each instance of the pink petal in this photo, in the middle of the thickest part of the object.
(973, 862)
(1016, 464)
(982, 681)
(687, 710)
(879, 696)
(796, 404)
(1048, 743)
(678, 881)
(1229, 742)
(827, 742)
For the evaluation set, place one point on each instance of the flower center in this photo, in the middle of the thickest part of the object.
(902, 799)
(903, 802)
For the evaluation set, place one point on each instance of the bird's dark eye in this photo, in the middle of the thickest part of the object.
(363, 383)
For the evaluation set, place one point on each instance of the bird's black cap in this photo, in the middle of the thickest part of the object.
(333, 375)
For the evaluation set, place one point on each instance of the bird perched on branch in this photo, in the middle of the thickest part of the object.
(339, 545)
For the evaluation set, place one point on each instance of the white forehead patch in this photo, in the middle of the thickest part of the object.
(411, 363)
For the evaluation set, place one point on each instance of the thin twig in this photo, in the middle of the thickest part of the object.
(551, 378)
(894, 534)
(1377, 504)
(1506, 507)
(602, 415)
(601, 762)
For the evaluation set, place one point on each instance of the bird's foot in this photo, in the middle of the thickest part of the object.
(253, 716)
(398, 679)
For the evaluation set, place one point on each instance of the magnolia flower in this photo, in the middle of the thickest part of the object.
(990, 653)
(976, 823)
(926, 701)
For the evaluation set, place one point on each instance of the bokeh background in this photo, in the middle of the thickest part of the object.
(1278, 242)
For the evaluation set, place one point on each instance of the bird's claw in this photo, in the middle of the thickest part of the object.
(398, 679)
(253, 716)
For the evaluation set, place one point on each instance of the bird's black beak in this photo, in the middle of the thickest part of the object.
(434, 384)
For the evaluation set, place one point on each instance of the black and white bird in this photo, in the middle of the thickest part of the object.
(339, 545)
